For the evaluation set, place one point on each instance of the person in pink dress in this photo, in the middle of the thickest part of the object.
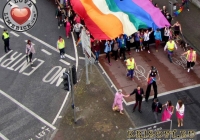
(180, 109)
(117, 105)
(67, 27)
(77, 19)
(168, 111)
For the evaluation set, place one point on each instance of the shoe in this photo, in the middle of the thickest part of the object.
(148, 51)
(120, 57)
(192, 68)
(178, 125)
(188, 70)
(31, 63)
(188, 10)
(181, 124)
(58, 27)
(9, 49)
(133, 110)
(61, 56)
(156, 50)
(141, 49)
(140, 111)
(121, 113)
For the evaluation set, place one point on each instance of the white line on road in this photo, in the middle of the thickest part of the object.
(1, 20)
(75, 49)
(83, 58)
(45, 51)
(26, 109)
(70, 57)
(58, 114)
(3, 137)
(15, 34)
(65, 62)
(198, 132)
(1, 26)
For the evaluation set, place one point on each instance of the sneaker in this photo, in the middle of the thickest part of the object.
(192, 68)
(31, 63)
(141, 49)
(188, 70)
(148, 51)
(138, 50)
(188, 10)
(63, 56)
(58, 27)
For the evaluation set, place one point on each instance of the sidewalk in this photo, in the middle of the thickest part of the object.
(95, 118)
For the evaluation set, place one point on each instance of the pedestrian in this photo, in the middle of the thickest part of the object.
(117, 105)
(77, 29)
(137, 41)
(170, 47)
(59, 16)
(156, 108)
(168, 17)
(77, 19)
(180, 109)
(158, 38)
(146, 39)
(30, 50)
(151, 80)
(139, 93)
(61, 46)
(191, 58)
(131, 44)
(141, 40)
(131, 65)
(186, 3)
(107, 50)
(168, 111)
(166, 34)
(122, 45)
(177, 29)
(67, 27)
(96, 48)
(6, 40)
(115, 49)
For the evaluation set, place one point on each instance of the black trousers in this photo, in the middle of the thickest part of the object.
(166, 38)
(29, 57)
(6, 45)
(108, 56)
(146, 44)
(59, 20)
(115, 53)
(128, 46)
(137, 44)
(62, 51)
(77, 35)
(149, 90)
(137, 101)
(122, 51)
(190, 64)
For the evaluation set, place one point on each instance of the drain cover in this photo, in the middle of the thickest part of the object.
(186, 99)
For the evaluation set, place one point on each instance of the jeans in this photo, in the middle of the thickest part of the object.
(59, 20)
(130, 73)
(97, 55)
(156, 116)
(170, 55)
(149, 90)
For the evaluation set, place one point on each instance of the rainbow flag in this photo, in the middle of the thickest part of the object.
(178, 11)
(78, 42)
(107, 19)
(151, 79)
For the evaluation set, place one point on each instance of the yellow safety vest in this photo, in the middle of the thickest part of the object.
(170, 46)
(130, 64)
(61, 45)
(5, 35)
(193, 55)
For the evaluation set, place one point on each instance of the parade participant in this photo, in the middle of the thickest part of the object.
(96, 48)
(115, 49)
(77, 29)
(166, 34)
(158, 38)
(131, 65)
(146, 39)
(30, 50)
(167, 113)
(177, 29)
(137, 41)
(191, 57)
(6, 39)
(107, 50)
(77, 19)
(67, 27)
(59, 16)
(156, 108)
(180, 109)
(122, 45)
(61, 47)
(151, 80)
(170, 46)
(138, 97)
(141, 40)
(117, 105)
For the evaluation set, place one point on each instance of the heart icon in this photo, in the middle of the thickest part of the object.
(20, 15)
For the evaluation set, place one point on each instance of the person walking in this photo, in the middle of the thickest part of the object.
(170, 47)
(77, 29)
(30, 50)
(117, 104)
(146, 39)
(59, 16)
(180, 109)
(168, 111)
(166, 34)
(156, 108)
(107, 50)
(96, 48)
(177, 29)
(131, 65)
(6, 40)
(191, 58)
(151, 80)
(158, 38)
(186, 3)
(61, 47)
(67, 27)
(77, 19)
(137, 41)
(115, 49)
(139, 93)
(122, 45)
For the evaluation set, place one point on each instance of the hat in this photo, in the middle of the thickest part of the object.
(119, 90)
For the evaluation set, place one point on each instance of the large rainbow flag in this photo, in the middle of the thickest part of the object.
(107, 19)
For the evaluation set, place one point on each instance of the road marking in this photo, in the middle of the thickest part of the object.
(83, 58)
(31, 42)
(61, 108)
(3, 137)
(65, 62)
(28, 110)
(1, 20)
(70, 57)
(1, 26)
(45, 51)
(75, 49)
(15, 34)
(34, 1)
(198, 132)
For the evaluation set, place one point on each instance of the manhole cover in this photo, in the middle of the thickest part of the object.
(186, 99)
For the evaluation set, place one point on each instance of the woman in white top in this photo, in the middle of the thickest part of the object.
(30, 50)
(180, 109)
(146, 39)
(166, 34)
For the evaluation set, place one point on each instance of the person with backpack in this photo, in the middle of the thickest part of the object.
(30, 50)
(156, 108)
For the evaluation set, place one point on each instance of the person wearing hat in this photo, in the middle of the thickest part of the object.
(170, 46)
(117, 105)
(5, 38)
(151, 80)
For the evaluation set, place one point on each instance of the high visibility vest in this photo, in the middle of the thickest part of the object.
(170, 46)
(193, 55)
(61, 45)
(130, 64)
(5, 35)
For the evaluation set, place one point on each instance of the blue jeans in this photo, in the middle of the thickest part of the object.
(97, 55)
(130, 73)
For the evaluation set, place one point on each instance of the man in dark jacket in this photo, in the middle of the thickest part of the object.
(156, 108)
(138, 97)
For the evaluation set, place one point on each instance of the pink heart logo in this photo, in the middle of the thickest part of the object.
(20, 15)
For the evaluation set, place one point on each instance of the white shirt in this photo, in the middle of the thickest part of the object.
(167, 32)
(180, 110)
(146, 36)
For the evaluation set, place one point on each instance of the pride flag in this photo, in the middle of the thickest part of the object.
(178, 11)
(107, 19)
(78, 42)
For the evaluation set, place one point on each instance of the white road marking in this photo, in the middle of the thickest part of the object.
(58, 114)
(83, 58)
(31, 42)
(34, 1)
(3, 137)
(45, 51)
(1, 26)
(28, 110)
(70, 57)
(198, 132)
(15, 34)
(75, 49)
(65, 62)
(1, 20)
